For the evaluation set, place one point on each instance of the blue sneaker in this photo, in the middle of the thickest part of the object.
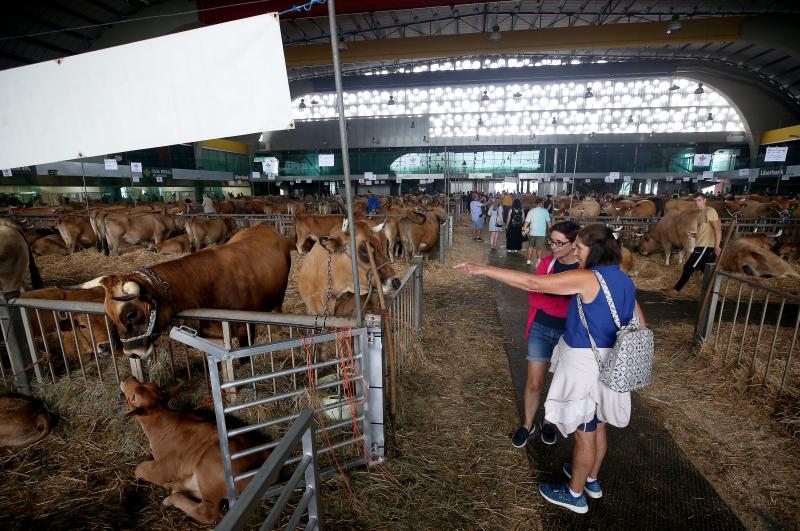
(592, 488)
(560, 495)
(521, 436)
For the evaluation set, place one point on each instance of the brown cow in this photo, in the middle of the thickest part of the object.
(187, 460)
(674, 230)
(588, 208)
(419, 231)
(136, 229)
(97, 219)
(80, 333)
(310, 226)
(678, 205)
(333, 253)
(250, 272)
(76, 231)
(628, 265)
(177, 245)
(52, 244)
(23, 420)
(755, 209)
(15, 257)
(749, 255)
(212, 231)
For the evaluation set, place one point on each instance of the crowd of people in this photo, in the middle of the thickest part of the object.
(577, 297)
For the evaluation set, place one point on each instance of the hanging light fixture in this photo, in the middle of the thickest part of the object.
(554, 122)
(674, 87)
(342, 45)
(477, 137)
(630, 119)
(425, 138)
(699, 89)
(303, 103)
(588, 93)
(412, 124)
(674, 26)
(391, 101)
(495, 37)
(480, 122)
(710, 117)
(314, 102)
(485, 96)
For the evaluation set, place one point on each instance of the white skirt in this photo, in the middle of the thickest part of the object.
(577, 394)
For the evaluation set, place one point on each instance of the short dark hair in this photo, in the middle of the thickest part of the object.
(516, 204)
(569, 229)
(699, 194)
(604, 249)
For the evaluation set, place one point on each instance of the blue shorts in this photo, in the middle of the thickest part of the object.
(541, 342)
(477, 224)
(590, 426)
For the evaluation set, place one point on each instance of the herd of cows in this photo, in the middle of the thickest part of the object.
(222, 266)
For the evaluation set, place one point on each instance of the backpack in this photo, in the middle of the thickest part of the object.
(516, 217)
(629, 365)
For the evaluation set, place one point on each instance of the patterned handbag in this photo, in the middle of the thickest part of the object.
(629, 365)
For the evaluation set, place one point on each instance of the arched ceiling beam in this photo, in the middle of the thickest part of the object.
(722, 29)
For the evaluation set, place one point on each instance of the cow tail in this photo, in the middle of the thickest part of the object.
(36, 278)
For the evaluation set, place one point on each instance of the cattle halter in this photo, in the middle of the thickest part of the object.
(150, 327)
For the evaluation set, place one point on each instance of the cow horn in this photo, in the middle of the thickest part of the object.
(379, 227)
(640, 234)
(618, 228)
(778, 235)
(344, 224)
(95, 283)
(131, 288)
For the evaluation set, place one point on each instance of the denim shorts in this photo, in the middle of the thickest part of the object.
(541, 342)
(477, 224)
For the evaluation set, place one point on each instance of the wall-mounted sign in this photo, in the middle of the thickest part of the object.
(361, 181)
(269, 165)
(587, 180)
(308, 181)
(776, 154)
(614, 174)
(136, 167)
(687, 179)
(708, 175)
(369, 176)
(326, 160)
(110, 164)
(702, 159)
(669, 178)
(627, 178)
(136, 178)
(6, 173)
(744, 172)
(159, 178)
(256, 175)
(52, 172)
(770, 172)
(153, 172)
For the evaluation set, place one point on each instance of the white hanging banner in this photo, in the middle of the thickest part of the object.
(271, 176)
(702, 159)
(708, 175)
(614, 174)
(269, 165)
(609, 179)
(136, 167)
(326, 160)
(776, 154)
(669, 178)
(298, 181)
(256, 175)
(6, 173)
(784, 177)
(627, 178)
(159, 178)
(412, 160)
(687, 179)
(369, 176)
(136, 178)
(308, 181)
(110, 164)
(587, 180)
(92, 117)
(744, 172)
(361, 181)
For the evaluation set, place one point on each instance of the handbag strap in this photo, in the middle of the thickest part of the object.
(586, 326)
(609, 300)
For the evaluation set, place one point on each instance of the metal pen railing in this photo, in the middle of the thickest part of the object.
(405, 312)
(751, 329)
(307, 472)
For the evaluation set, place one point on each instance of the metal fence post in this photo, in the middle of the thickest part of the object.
(442, 241)
(16, 346)
(372, 369)
(312, 479)
(706, 322)
(417, 317)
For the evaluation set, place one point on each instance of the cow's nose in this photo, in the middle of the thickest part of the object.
(103, 350)
(395, 283)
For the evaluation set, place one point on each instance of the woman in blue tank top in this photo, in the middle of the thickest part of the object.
(577, 402)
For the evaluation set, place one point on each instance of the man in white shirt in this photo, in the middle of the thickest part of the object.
(208, 205)
(537, 225)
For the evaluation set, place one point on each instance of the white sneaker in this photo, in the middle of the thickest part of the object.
(529, 262)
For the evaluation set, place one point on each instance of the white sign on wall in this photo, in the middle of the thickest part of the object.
(627, 178)
(614, 174)
(308, 181)
(744, 172)
(669, 178)
(587, 180)
(136, 167)
(412, 160)
(269, 165)
(159, 178)
(687, 179)
(361, 181)
(776, 154)
(6, 173)
(136, 178)
(326, 160)
(708, 175)
(369, 176)
(60, 97)
(702, 159)
(110, 164)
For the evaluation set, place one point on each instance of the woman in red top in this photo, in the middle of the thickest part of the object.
(547, 320)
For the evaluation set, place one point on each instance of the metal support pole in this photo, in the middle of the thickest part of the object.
(707, 325)
(417, 317)
(16, 346)
(442, 240)
(337, 72)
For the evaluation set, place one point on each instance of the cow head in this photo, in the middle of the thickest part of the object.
(142, 398)
(132, 305)
(338, 244)
(81, 330)
(647, 244)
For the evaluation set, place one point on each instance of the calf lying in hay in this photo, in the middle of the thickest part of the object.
(187, 459)
(23, 420)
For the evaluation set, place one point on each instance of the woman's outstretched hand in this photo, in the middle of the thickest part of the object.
(469, 268)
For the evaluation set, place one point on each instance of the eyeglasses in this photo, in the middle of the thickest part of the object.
(557, 243)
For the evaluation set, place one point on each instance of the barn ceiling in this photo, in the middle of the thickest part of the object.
(31, 32)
